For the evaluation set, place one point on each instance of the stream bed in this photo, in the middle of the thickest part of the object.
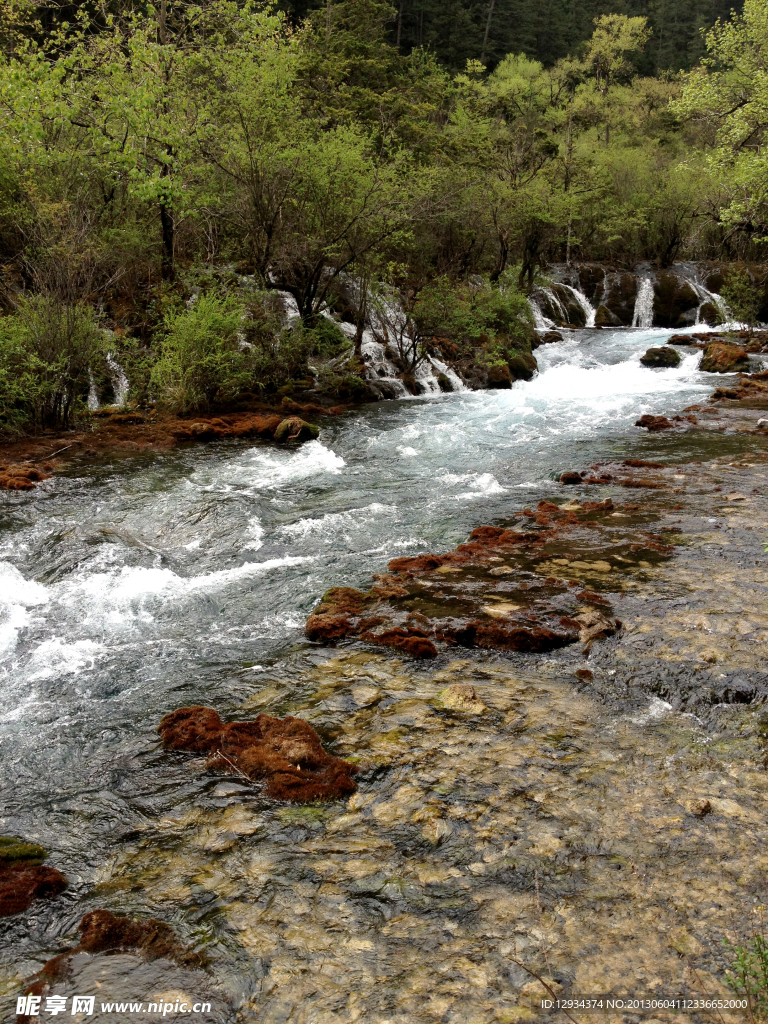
(135, 585)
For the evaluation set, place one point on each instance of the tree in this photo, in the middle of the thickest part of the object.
(728, 96)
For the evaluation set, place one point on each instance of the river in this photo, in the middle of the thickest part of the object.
(135, 585)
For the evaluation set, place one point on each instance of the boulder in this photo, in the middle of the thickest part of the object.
(548, 338)
(293, 428)
(661, 357)
(709, 314)
(721, 357)
(570, 478)
(522, 365)
(605, 318)
(654, 423)
(444, 382)
(675, 301)
(619, 295)
(499, 376)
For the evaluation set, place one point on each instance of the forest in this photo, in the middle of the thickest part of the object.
(166, 170)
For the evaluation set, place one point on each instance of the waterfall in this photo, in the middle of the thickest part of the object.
(456, 382)
(380, 369)
(120, 384)
(540, 322)
(583, 301)
(93, 394)
(643, 315)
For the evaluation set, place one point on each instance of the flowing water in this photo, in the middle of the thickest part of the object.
(142, 584)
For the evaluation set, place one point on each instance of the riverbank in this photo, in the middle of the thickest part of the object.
(27, 461)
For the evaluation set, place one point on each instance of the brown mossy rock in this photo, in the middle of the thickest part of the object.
(286, 752)
(333, 618)
(571, 478)
(24, 877)
(522, 365)
(20, 477)
(413, 641)
(293, 428)
(721, 357)
(216, 428)
(101, 931)
(661, 357)
(654, 423)
(499, 377)
(605, 318)
(500, 637)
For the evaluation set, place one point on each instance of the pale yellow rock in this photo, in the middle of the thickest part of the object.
(462, 697)
(500, 610)
(365, 695)
(447, 568)
(436, 831)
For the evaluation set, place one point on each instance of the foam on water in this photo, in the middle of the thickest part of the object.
(262, 469)
(17, 596)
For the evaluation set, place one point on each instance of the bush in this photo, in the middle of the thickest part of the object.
(748, 974)
(49, 352)
(203, 357)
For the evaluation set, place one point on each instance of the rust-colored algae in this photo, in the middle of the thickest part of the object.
(286, 752)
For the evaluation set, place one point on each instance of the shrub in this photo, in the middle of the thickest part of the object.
(203, 358)
(748, 974)
(48, 353)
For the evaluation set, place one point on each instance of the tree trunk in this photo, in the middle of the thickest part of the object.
(166, 220)
(487, 30)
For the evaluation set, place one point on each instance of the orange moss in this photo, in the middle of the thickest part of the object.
(286, 752)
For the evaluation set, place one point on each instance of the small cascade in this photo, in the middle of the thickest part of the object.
(426, 380)
(120, 383)
(583, 301)
(456, 382)
(541, 322)
(643, 315)
(93, 394)
(379, 368)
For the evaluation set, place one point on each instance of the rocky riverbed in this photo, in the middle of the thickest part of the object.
(592, 814)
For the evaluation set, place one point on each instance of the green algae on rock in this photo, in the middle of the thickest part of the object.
(24, 877)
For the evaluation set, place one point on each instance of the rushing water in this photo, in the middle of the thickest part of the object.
(142, 584)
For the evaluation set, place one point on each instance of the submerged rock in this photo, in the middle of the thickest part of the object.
(101, 931)
(662, 357)
(721, 357)
(286, 752)
(24, 877)
(499, 590)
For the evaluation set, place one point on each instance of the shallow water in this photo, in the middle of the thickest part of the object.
(136, 586)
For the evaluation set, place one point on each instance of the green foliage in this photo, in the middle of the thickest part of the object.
(48, 353)
(202, 360)
(748, 974)
(742, 296)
